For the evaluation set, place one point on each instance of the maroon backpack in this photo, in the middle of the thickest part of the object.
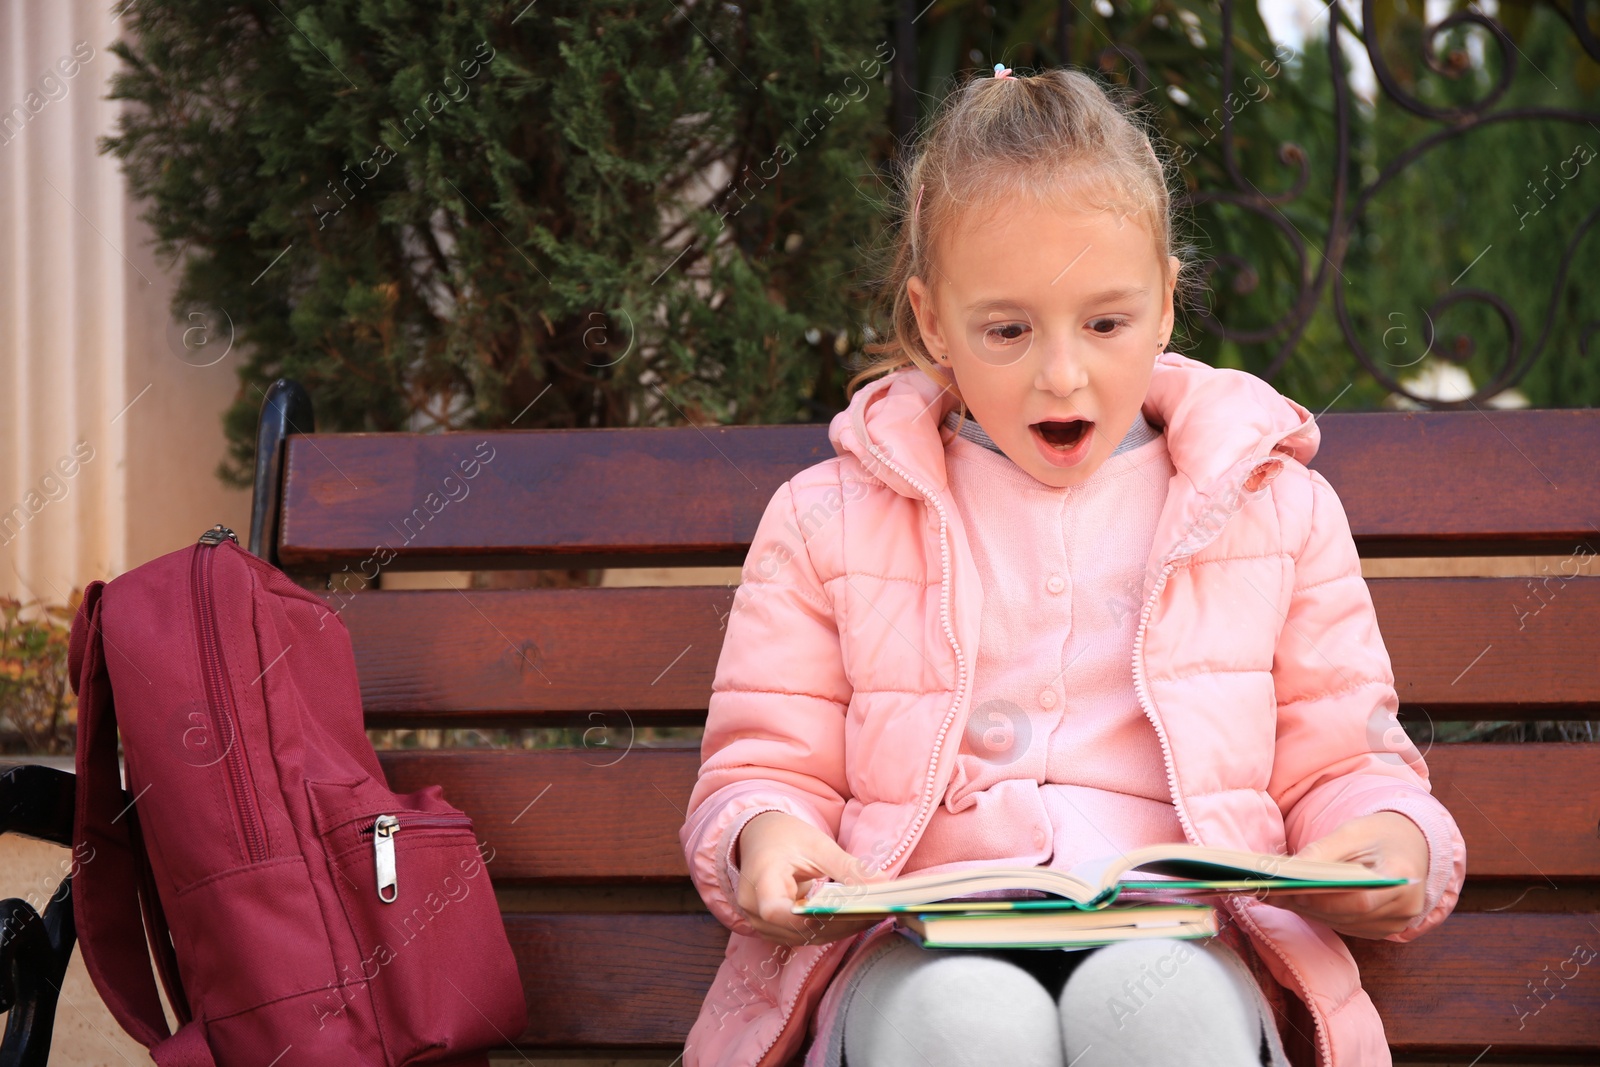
(315, 917)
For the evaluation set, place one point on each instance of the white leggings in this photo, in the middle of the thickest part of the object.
(1131, 1004)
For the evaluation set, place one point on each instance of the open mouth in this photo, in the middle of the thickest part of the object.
(1062, 435)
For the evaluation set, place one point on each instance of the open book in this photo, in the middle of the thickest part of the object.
(1154, 873)
(1059, 929)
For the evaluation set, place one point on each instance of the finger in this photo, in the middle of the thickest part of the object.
(751, 890)
(1334, 848)
(1305, 904)
(762, 927)
(1350, 902)
(783, 932)
(775, 890)
(775, 895)
(813, 929)
(820, 929)
(835, 927)
(842, 866)
(827, 861)
(1343, 910)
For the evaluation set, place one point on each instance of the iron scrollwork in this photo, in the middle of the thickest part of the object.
(1459, 121)
(1347, 206)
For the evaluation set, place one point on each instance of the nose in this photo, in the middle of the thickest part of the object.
(1061, 370)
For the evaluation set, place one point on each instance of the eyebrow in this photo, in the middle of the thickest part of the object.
(1105, 296)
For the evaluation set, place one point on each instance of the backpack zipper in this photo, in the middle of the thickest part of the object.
(219, 703)
(384, 827)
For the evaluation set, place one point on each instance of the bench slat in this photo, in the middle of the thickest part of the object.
(1523, 809)
(1425, 483)
(1459, 644)
(1455, 990)
(625, 981)
(542, 811)
(1465, 985)
(1489, 481)
(442, 654)
(569, 498)
(1461, 648)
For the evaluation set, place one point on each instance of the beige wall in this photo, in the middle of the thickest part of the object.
(108, 439)
(108, 473)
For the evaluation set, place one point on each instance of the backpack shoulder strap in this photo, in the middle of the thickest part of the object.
(107, 908)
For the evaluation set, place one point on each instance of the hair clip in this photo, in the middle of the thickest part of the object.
(916, 208)
(1002, 71)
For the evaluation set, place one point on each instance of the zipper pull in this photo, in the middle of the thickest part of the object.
(215, 535)
(383, 831)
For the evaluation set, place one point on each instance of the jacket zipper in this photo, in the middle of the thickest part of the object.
(219, 701)
(949, 632)
(788, 1011)
(938, 745)
(1147, 705)
(384, 827)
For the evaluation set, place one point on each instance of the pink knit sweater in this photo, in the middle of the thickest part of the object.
(1058, 763)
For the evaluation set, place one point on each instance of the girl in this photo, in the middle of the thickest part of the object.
(1111, 607)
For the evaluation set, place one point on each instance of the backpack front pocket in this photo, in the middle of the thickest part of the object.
(433, 952)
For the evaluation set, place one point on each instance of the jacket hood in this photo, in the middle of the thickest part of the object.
(1215, 420)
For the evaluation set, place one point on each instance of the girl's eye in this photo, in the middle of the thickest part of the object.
(1006, 333)
(1114, 323)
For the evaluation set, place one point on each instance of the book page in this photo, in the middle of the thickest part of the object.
(1198, 863)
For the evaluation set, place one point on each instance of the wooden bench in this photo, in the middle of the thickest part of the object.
(616, 948)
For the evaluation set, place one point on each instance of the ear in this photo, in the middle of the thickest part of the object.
(921, 298)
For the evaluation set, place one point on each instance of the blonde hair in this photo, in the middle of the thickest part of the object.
(997, 138)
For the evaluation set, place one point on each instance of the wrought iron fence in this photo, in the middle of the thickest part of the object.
(1521, 348)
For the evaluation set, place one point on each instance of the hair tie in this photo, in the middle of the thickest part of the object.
(1002, 71)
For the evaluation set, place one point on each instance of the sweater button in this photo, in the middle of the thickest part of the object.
(1048, 698)
(1038, 838)
(1055, 584)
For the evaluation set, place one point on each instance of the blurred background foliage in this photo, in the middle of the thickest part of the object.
(38, 709)
(651, 213)
(453, 215)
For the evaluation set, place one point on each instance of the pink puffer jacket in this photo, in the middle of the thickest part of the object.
(845, 679)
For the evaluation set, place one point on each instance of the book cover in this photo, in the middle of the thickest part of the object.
(1059, 928)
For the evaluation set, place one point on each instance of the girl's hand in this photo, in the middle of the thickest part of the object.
(774, 852)
(1393, 846)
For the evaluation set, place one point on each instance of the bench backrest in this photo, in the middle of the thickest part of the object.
(615, 946)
